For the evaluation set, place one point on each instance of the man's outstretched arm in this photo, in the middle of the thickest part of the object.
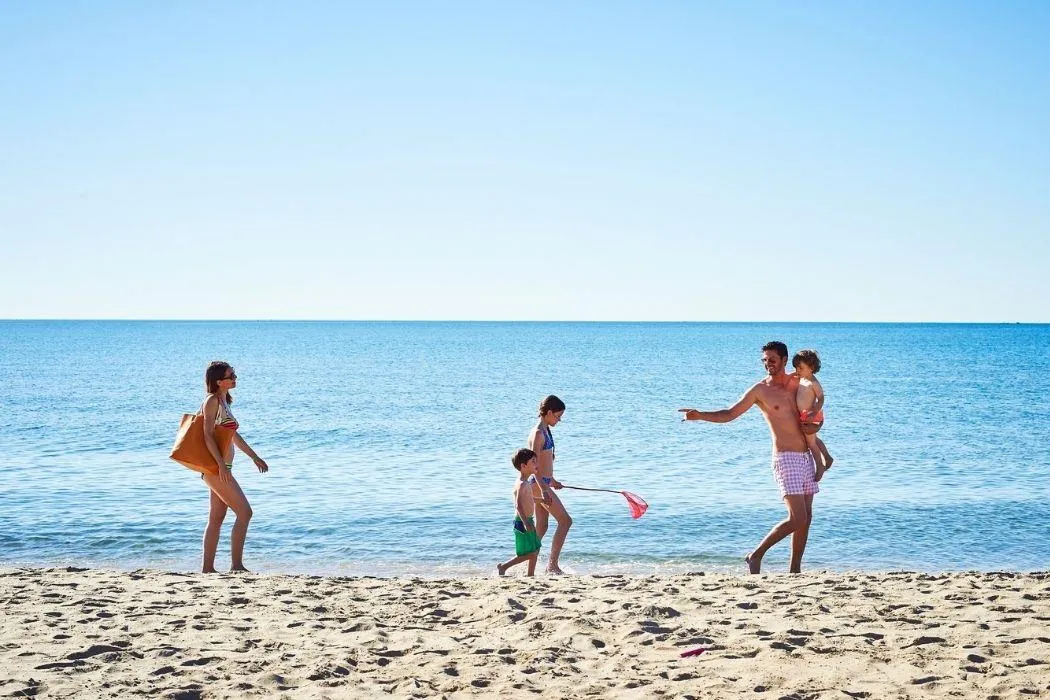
(725, 415)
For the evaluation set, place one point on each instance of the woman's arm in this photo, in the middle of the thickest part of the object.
(246, 449)
(536, 441)
(211, 407)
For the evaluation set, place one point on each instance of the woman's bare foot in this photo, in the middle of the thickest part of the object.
(754, 564)
(501, 569)
(209, 571)
(555, 571)
(239, 570)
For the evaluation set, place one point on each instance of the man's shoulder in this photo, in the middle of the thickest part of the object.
(766, 386)
(759, 388)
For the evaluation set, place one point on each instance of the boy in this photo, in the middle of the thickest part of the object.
(526, 541)
(809, 398)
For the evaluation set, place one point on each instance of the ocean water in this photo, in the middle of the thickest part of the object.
(389, 444)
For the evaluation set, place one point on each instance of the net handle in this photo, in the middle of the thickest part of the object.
(583, 488)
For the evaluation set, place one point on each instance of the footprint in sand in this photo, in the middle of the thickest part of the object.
(96, 650)
(923, 641)
(661, 612)
(654, 627)
(32, 689)
(187, 694)
(925, 679)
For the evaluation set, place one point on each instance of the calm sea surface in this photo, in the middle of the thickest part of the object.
(389, 444)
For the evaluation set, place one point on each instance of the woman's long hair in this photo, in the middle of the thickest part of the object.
(551, 404)
(216, 371)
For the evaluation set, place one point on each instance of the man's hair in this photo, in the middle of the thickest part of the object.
(810, 357)
(778, 347)
(521, 457)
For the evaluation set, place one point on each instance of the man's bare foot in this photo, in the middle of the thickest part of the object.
(501, 569)
(754, 564)
(239, 570)
(555, 571)
(209, 571)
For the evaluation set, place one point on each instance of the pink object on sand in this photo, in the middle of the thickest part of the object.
(693, 652)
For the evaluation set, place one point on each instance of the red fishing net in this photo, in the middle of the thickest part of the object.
(635, 502)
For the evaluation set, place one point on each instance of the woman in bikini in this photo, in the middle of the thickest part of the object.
(219, 378)
(541, 441)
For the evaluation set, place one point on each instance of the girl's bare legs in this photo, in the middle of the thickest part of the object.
(211, 532)
(800, 515)
(828, 459)
(542, 519)
(231, 494)
(564, 523)
(818, 458)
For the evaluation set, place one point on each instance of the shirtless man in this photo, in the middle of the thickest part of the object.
(793, 466)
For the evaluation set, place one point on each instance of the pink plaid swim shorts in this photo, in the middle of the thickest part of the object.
(795, 473)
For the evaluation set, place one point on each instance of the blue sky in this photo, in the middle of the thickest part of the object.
(839, 161)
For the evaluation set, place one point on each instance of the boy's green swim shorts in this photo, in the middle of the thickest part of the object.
(525, 541)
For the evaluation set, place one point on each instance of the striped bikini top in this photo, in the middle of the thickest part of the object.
(225, 418)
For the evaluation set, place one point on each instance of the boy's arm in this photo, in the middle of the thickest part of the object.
(725, 415)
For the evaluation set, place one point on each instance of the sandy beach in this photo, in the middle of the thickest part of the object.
(96, 633)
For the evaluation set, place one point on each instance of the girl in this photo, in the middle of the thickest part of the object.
(809, 399)
(219, 378)
(541, 441)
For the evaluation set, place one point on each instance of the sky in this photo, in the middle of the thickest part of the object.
(663, 161)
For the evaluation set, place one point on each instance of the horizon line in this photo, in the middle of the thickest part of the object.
(508, 321)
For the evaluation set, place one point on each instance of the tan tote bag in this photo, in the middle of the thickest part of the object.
(191, 451)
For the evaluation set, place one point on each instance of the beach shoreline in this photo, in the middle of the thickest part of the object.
(74, 632)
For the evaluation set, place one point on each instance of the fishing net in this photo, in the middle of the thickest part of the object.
(636, 503)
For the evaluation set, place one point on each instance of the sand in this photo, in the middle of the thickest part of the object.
(96, 633)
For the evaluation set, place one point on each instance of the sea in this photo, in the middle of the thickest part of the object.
(389, 444)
